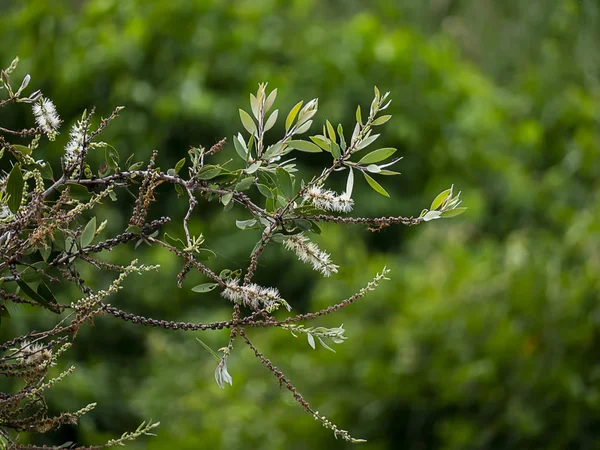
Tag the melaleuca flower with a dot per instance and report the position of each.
(328, 200)
(309, 252)
(46, 117)
(33, 353)
(75, 145)
(253, 295)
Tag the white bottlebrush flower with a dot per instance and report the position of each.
(46, 117)
(75, 145)
(309, 252)
(328, 200)
(253, 295)
(36, 353)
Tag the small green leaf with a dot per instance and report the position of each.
(205, 287)
(247, 121)
(253, 168)
(388, 172)
(270, 100)
(367, 141)
(437, 201)
(271, 120)
(179, 165)
(305, 146)
(377, 156)
(330, 131)
(240, 147)
(322, 142)
(21, 149)
(33, 295)
(14, 188)
(292, 115)
(175, 242)
(336, 151)
(453, 212)
(381, 120)
(243, 224)
(87, 236)
(244, 184)
(46, 170)
(111, 155)
(284, 182)
(264, 190)
(375, 185)
(208, 172)
(227, 198)
(358, 115)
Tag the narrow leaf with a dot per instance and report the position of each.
(305, 146)
(14, 188)
(377, 156)
(87, 236)
(292, 115)
(437, 201)
(375, 185)
(247, 121)
(205, 287)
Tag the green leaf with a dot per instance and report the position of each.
(87, 236)
(270, 100)
(36, 297)
(304, 225)
(14, 188)
(381, 120)
(304, 127)
(453, 212)
(271, 120)
(208, 172)
(227, 198)
(264, 190)
(244, 184)
(437, 202)
(305, 146)
(330, 131)
(367, 141)
(46, 171)
(175, 242)
(111, 155)
(179, 165)
(243, 224)
(377, 156)
(388, 172)
(240, 148)
(205, 287)
(247, 121)
(21, 149)
(375, 185)
(432, 215)
(292, 115)
(322, 142)
(284, 181)
(253, 168)
(358, 115)
(336, 151)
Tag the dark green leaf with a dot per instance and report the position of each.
(87, 236)
(244, 184)
(208, 172)
(14, 188)
(179, 165)
(284, 182)
(264, 190)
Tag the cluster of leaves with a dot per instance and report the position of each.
(45, 240)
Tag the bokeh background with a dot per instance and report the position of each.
(488, 334)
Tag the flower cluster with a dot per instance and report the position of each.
(328, 200)
(253, 295)
(76, 142)
(309, 252)
(46, 117)
(33, 352)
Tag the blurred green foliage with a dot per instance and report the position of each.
(486, 337)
